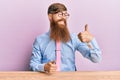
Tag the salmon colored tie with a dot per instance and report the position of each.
(58, 55)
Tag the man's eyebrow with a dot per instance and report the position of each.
(63, 12)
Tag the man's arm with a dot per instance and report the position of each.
(88, 46)
(35, 61)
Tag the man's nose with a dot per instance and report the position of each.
(64, 17)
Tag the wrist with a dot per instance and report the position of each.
(45, 67)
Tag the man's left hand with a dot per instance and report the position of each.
(85, 36)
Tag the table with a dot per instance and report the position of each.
(78, 75)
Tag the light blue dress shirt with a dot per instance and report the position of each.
(44, 51)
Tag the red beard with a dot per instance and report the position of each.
(59, 32)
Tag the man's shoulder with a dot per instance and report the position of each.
(43, 37)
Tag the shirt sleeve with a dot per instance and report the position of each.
(93, 54)
(35, 61)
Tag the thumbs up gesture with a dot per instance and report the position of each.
(85, 36)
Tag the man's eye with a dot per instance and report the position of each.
(60, 14)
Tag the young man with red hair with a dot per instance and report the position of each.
(44, 48)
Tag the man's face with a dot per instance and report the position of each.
(58, 26)
(60, 18)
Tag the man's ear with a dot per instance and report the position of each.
(50, 16)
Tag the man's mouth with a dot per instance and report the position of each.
(61, 22)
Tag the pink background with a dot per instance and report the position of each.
(22, 20)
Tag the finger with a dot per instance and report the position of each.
(82, 39)
(53, 68)
(53, 62)
(52, 71)
(79, 34)
(86, 27)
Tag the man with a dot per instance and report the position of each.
(44, 54)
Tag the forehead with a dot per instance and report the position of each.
(62, 12)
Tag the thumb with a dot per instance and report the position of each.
(86, 27)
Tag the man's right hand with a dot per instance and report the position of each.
(50, 67)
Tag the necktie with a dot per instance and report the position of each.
(58, 55)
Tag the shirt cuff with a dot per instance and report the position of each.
(94, 44)
(41, 67)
